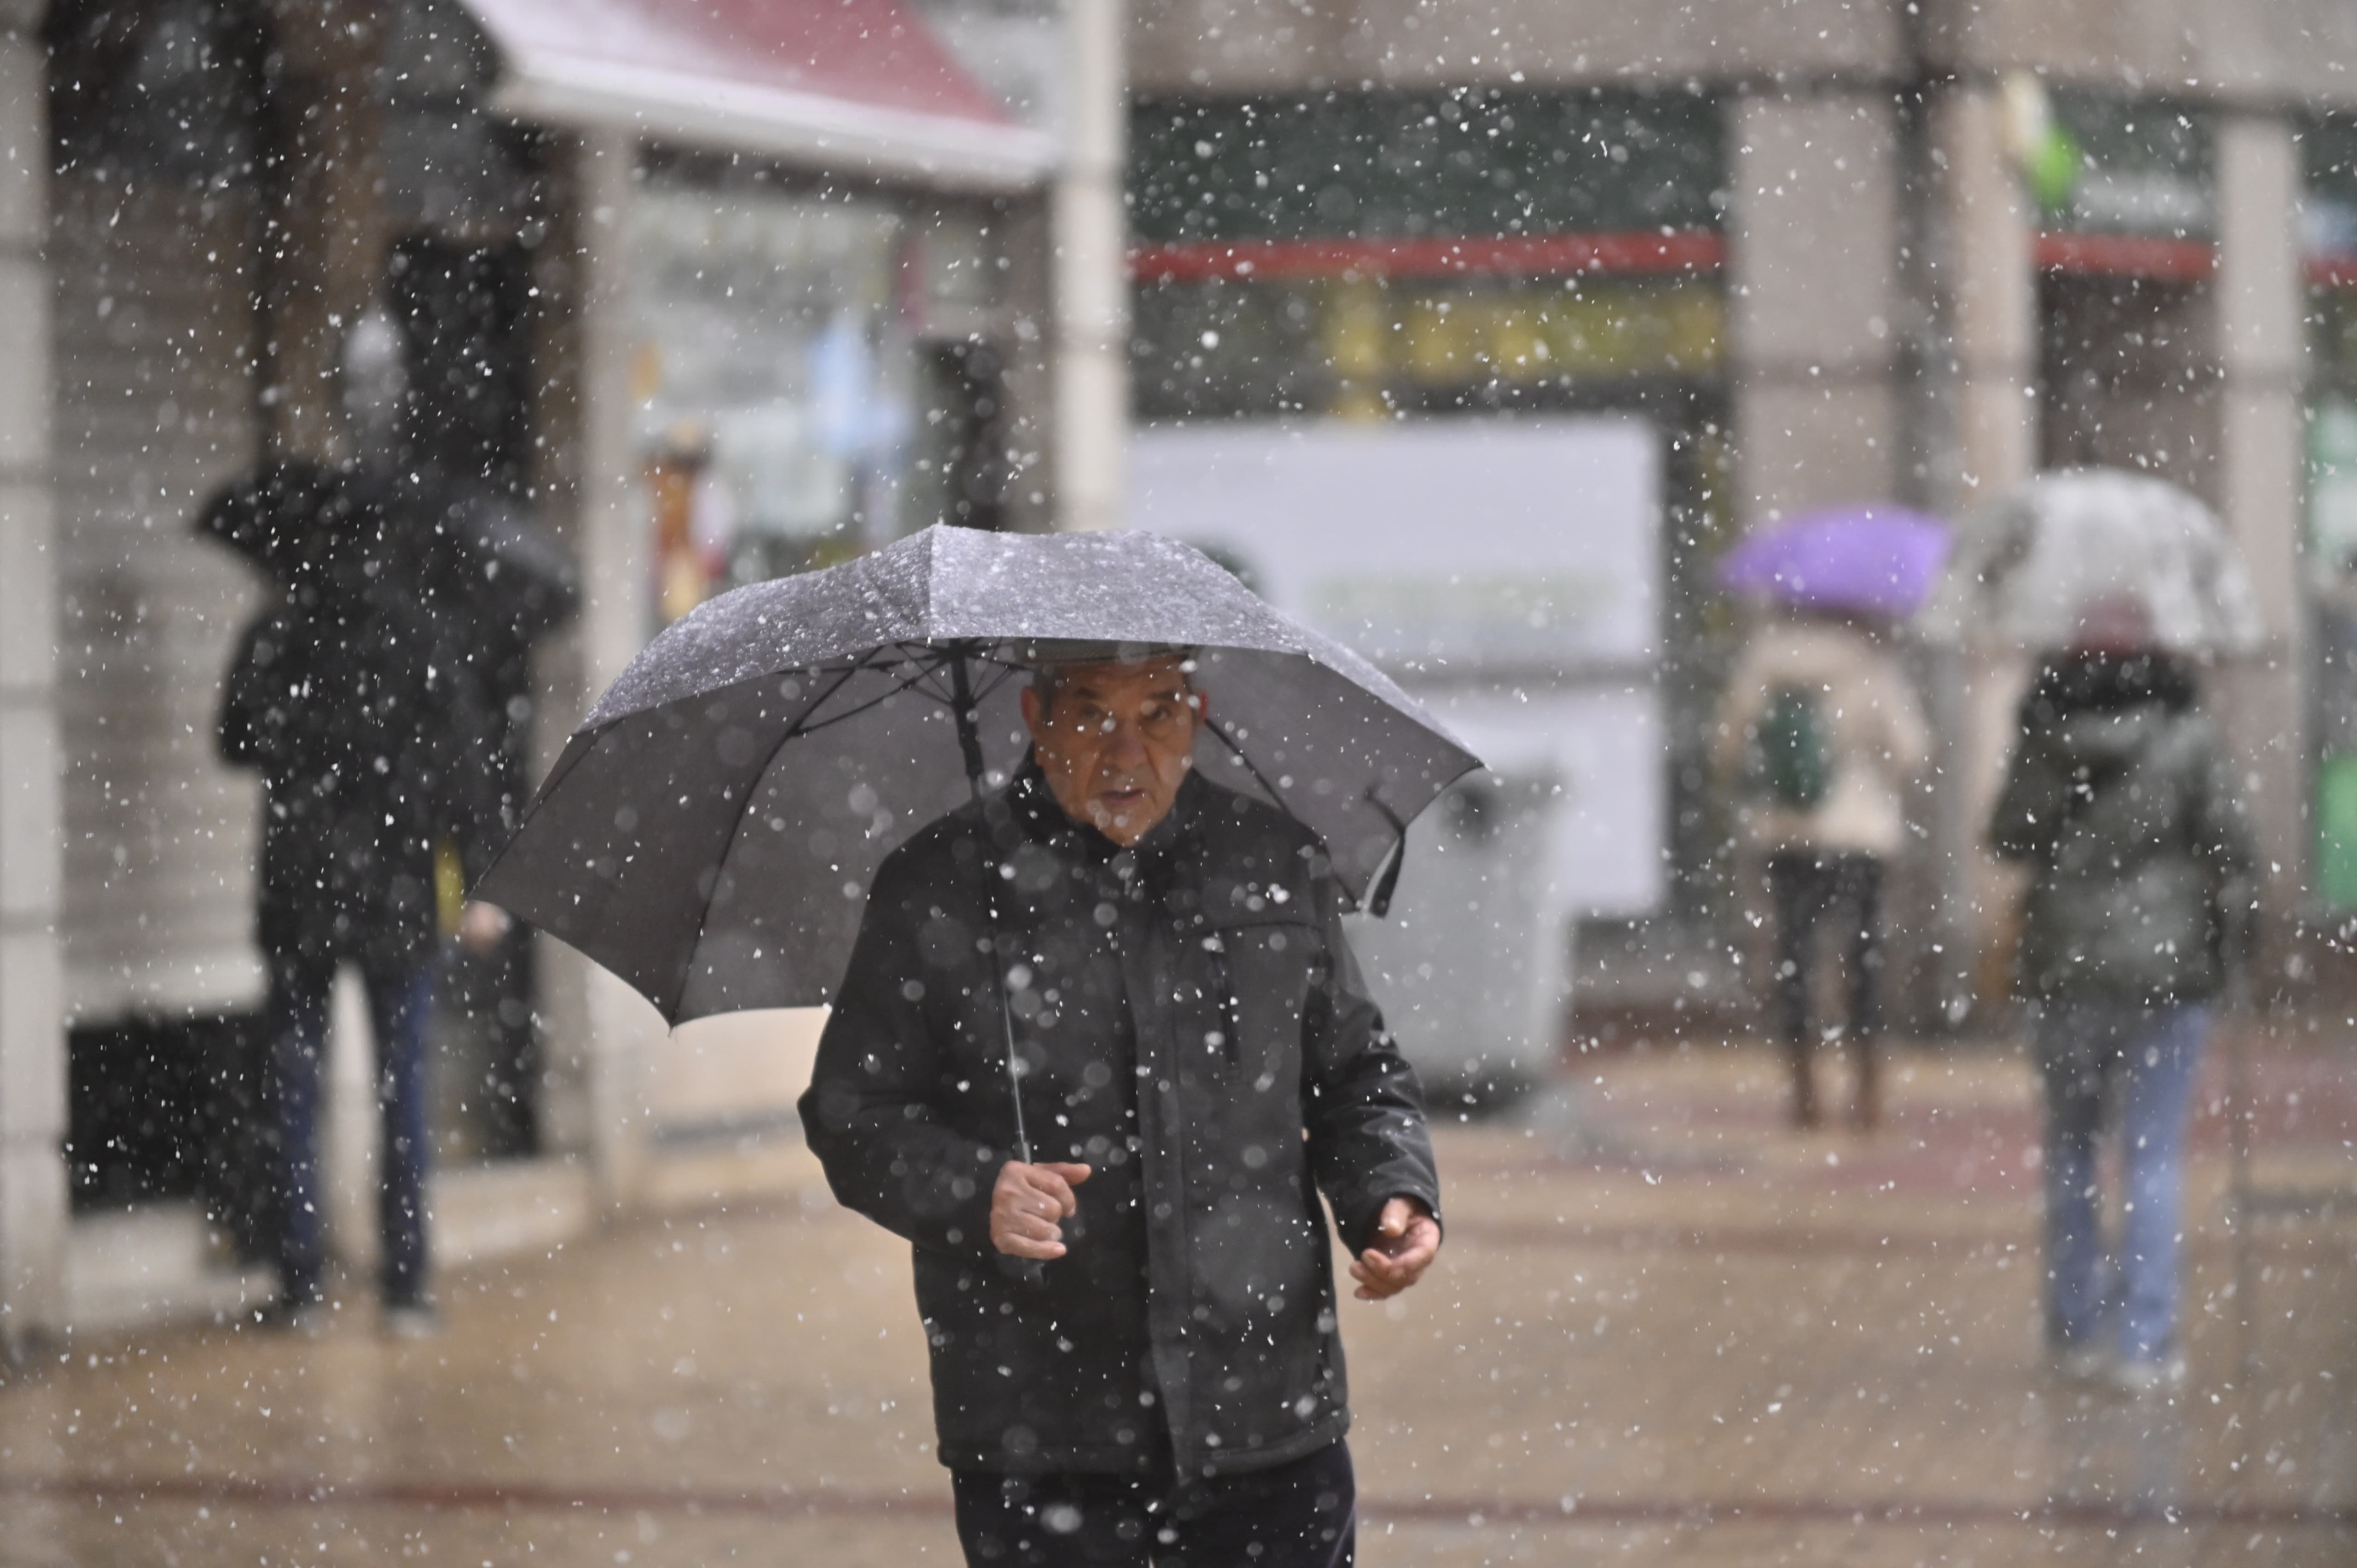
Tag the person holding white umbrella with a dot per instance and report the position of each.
(2120, 802)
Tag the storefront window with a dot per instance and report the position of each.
(1362, 348)
(2125, 191)
(773, 378)
(1364, 255)
(2125, 165)
(1388, 165)
(1368, 258)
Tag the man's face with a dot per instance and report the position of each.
(1115, 742)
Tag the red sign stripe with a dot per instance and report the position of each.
(2125, 257)
(2336, 269)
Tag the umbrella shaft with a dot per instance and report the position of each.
(970, 744)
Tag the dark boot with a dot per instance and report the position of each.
(1866, 1110)
(1804, 1085)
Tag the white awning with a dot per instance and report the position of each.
(853, 87)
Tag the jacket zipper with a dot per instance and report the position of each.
(1217, 946)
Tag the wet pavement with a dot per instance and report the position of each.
(1665, 1330)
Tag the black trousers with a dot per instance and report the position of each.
(1843, 891)
(1298, 1514)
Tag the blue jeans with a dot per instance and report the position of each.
(398, 1002)
(2093, 1055)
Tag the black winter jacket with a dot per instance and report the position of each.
(2120, 800)
(1193, 1027)
(343, 697)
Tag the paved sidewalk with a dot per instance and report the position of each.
(1684, 1337)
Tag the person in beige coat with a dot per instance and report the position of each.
(1821, 727)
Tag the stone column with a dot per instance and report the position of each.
(2261, 366)
(1989, 288)
(1024, 235)
(602, 1034)
(1091, 275)
(1991, 292)
(32, 1214)
(1813, 302)
(1814, 311)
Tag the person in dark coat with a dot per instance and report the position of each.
(349, 695)
(333, 698)
(1136, 1349)
(2120, 802)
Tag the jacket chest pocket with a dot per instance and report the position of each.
(1251, 985)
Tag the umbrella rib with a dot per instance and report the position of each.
(799, 727)
(1002, 670)
(704, 915)
(1379, 900)
(941, 658)
(1006, 672)
(1380, 903)
(913, 683)
(1229, 741)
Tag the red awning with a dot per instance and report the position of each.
(858, 86)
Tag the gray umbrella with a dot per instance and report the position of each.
(710, 832)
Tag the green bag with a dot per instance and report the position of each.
(1789, 762)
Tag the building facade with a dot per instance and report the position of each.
(1824, 252)
(1834, 254)
(714, 294)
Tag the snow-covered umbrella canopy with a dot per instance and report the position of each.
(709, 833)
(2075, 550)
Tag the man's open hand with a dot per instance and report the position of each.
(1406, 1239)
(1026, 1204)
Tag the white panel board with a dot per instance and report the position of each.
(1508, 571)
(1430, 547)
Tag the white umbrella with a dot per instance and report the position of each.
(2079, 549)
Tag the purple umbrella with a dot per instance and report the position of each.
(1874, 560)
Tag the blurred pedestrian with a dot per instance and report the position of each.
(332, 702)
(340, 696)
(2119, 801)
(1134, 1359)
(1821, 731)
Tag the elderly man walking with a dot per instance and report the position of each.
(1135, 1343)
